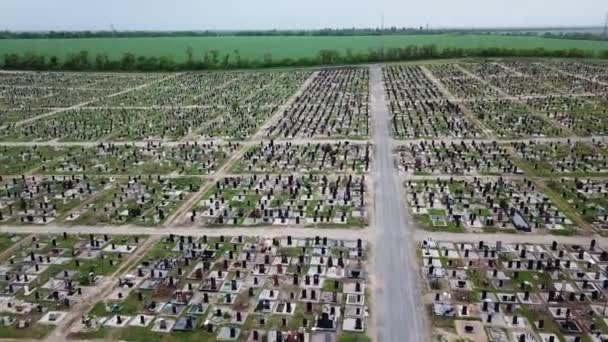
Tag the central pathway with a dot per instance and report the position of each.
(399, 311)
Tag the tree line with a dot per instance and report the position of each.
(209, 33)
(214, 60)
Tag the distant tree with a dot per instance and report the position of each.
(189, 55)
(128, 61)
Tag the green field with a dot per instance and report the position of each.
(279, 46)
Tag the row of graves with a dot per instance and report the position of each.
(405, 84)
(180, 90)
(152, 158)
(142, 200)
(19, 160)
(238, 289)
(484, 204)
(139, 200)
(461, 84)
(562, 157)
(48, 275)
(117, 159)
(516, 292)
(487, 70)
(27, 92)
(44, 199)
(413, 120)
(112, 124)
(531, 78)
(243, 116)
(455, 158)
(335, 104)
(278, 157)
(264, 200)
(582, 115)
(589, 70)
(189, 106)
(587, 197)
(214, 89)
(510, 119)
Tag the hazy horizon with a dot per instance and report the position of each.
(234, 15)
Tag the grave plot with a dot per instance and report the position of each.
(185, 89)
(584, 69)
(519, 86)
(74, 80)
(76, 125)
(145, 201)
(529, 68)
(442, 71)
(117, 124)
(244, 111)
(273, 157)
(236, 122)
(183, 159)
(469, 158)
(487, 70)
(238, 289)
(459, 84)
(588, 197)
(555, 158)
(13, 98)
(18, 160)
(254, 88)
(45, 97)
(409, 84)
(8, 116)
(468, 88)
(41, 200)
(583, 115)
(484, 205)
(569, 84)
(431, 120)
(510, 119)
(42, 281)
(335, 105)
(312, 200)
(516, 292)
(587, 70)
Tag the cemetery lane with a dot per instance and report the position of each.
(394, 268)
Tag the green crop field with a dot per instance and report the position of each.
(279, 47)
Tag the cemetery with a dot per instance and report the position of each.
(194, 204)
(50, 274)
(279, 157)
(237, 289)
(338, 201)
(515, 292)
(485, 205)
(333, 105)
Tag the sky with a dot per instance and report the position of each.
(31, 15)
